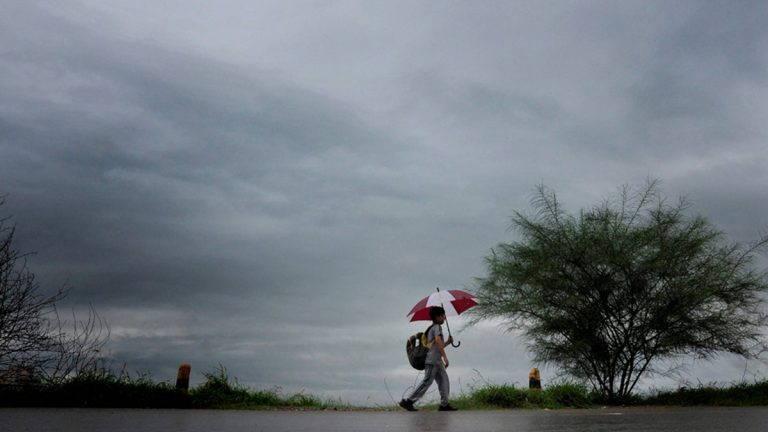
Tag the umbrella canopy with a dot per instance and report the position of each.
(455, 302)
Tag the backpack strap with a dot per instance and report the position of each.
(425, 337)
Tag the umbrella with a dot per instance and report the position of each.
(455, 302)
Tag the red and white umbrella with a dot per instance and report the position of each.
(455, 302)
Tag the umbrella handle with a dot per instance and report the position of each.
(453, 344)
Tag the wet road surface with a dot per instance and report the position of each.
(608, 420)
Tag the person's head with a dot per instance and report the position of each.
(437, 314)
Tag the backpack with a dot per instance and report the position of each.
(417, 353)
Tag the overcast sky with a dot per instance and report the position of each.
(271, 186)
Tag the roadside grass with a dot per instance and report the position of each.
(565, 394)
(569, 394)
(102, 388)
(738, 394)
(222, 392)
(98, 388)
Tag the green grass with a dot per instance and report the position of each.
(106, 389)
(102, 388)
(565, 394)
(96, 389)
(219, 391)
(739, 394)
(568, 394)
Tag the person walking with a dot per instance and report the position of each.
(435, 365)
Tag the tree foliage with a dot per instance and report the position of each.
(608, 293)
(35, 342)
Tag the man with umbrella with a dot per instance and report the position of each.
(435, 364)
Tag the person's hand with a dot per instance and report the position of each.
(445, 361)
(449, 341)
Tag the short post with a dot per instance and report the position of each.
(534, 379)
(182, 379)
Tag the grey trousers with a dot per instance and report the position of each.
(433, 372)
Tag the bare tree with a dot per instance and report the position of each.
(33, 337)
(77, 345)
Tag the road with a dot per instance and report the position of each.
(607, 420)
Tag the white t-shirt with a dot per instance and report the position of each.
(433, 356)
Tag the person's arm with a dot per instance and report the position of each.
(441, 349)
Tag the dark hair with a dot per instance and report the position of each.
(435, 312)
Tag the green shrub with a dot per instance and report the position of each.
(537, 398)
(218, 391)
(560, 395)
(264, 398)
(502, 396)
(567, 394)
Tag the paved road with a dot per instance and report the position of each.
(602, 420)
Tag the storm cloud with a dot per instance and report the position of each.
(271, 186)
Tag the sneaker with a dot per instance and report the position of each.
(407, 404)
(447, 408)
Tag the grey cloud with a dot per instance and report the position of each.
(732, 195)
(215, 197)
(722, 40)
(685, 99)
(165, 206)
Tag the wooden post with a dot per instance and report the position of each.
(182, 379)
(534, 379)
